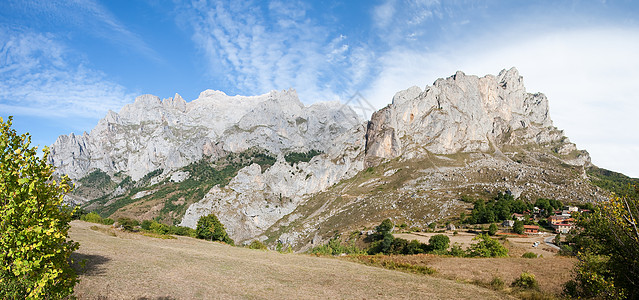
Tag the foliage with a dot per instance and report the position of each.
(526, 281)
(487, 247)
(548, 206)
(97, 179)
(500, 208)
(592, 279)
(385, 227)
(335, 247)
(492, 229)
(518, 227)
(439, 243)
(210, 228)
(295, 157)
(93, 217)
(608, 251)
(529, 255)
(128, 224)
(257, 245)
(617, 183)
(34, 222)
(456, 250)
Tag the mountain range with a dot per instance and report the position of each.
(278, 171)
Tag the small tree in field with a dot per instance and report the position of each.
(210, 228)
(34, 223)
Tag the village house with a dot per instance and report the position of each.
(561, 223)
(518, 217)
(531, 229)
(508, 223)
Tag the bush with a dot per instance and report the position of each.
(257, 245)
(34, 222)
(526, 281)
(492, 229)
(487, 247)
(128, 224)
(210, 228)
(439, 242)
(457, 251)
(529, 255)
(497, 283)
(92, 217)
(146, 224)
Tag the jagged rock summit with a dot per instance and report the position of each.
(153, 134)
(464, 114)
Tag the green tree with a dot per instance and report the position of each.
(439, 243)
(608, 251)
(492, 229)
(385, 227)
(34, 222)
(518, 227)
(210, 228)
(487, 247)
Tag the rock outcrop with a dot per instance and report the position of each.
(153, 134)
(463, 114)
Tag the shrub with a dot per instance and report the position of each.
(92, 217)
(439, 242)
(257, 245)
(128, 224)
(457, 251)
(492, 229)
(526, 281)
(529, 255)
(34, 222)
(487, 247)
(146, 224)
(497, 283)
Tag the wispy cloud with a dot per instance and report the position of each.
(88, 16)
(257, 48)
(41, 77)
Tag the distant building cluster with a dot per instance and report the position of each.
(561, 220)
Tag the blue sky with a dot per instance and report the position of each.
(63, 64)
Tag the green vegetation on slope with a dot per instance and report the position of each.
(175, 197)
(295, 157)
(617, 183)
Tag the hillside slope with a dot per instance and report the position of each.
(131, 266)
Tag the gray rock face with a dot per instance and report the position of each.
(168, 134)
(462, 114)
(253, 201)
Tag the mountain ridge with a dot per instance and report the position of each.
(464, 135)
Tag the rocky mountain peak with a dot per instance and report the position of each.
(152, 134)
(460, 113)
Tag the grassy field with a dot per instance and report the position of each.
(131, 266)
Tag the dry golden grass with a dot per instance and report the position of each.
(550, 273)
(133, 266)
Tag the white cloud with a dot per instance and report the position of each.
(85, 15)
(256, 49)
(589, 76)
(38, 77)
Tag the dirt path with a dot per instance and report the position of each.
(131, 266)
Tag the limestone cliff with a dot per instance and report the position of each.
(464, 114)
